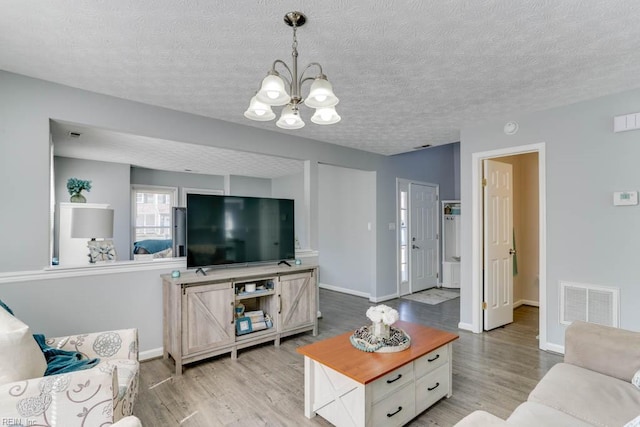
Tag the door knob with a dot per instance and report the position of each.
(415, 247)
(512, 251)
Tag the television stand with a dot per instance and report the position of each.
(284, 262)
(199, 312)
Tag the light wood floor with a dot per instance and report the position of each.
(494, 371)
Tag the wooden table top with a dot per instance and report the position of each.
(340, 355)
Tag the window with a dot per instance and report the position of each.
(152, 212)
(404, 249)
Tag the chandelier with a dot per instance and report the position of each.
(273, 91)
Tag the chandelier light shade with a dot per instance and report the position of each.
(277, 90)
(272, 92)
(325, 116)
(321, 94)
(290, 119)
(259, 111)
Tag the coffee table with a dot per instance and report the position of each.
(349, 387)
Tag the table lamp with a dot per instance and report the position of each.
(95, 223)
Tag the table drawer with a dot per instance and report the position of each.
(391, 382)
(432, 387)
(396, 409)
(431, 361)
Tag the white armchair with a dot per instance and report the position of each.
(98, 396)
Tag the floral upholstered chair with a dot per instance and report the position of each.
(98, 396)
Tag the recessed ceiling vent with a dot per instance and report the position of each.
(74, 134)
(420, 147)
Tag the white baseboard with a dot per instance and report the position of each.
(357, 293)
(384, 298)
(465, 326)
(343, 290)
(526, 302)
(556, 348)
(150, 354)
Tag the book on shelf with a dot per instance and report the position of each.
(255, 316)
(259, 320)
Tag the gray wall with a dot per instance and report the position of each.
(456, 171)
(27, 105)
(144, 176)
(249, 186)
(91, 303)
(347, 219)
(109, 184)
(588, 239)
(292, 187)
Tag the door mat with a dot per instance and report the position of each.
(433, 296)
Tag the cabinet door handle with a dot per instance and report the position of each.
(395, 412)
(279, 304)
(394, 380)
(434, 387)
(233, 314)
(434, 359)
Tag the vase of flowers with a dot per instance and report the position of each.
(75, 187)
(382, 317)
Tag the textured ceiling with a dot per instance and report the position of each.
(407, 73)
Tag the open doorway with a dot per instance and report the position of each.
(510, 234)
(530, 275)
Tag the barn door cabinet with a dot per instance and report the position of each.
(199, 311)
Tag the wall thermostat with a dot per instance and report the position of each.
(625, 198)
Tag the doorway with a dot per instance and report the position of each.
(417, 236)
(539, 235)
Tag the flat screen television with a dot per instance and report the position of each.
(228, 230)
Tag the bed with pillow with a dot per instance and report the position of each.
(152, 248)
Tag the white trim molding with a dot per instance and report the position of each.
(154, 353)
(344, 290)
(526, 302)
(466, 326)
(476, 234)
(50, 273)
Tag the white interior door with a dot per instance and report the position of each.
(498, 241)
(423, 246)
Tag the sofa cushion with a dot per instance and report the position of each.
(636, 379)
(532, 414)
(610, 351)
(20, 358)
(587, 395)
(481, 418)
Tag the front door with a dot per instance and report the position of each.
(424, 236)
(498, 244)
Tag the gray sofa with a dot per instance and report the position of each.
(591, 388)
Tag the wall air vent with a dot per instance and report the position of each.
(420, 147)
(74, 134)
(626, 122)
(589, 303)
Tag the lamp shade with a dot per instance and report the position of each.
(290, 119)
(92, 223)
(259, 111)
(325, 116)
(321, 94)
(273, 92)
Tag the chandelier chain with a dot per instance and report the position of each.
(294, 45)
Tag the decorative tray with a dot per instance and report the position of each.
(364, 340)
